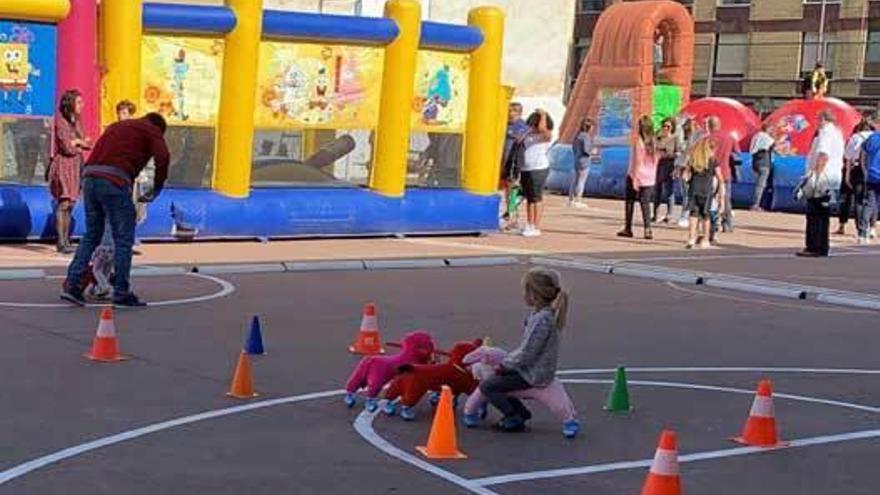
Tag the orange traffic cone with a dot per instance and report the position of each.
(663, 478)
(760, 429)
(242, 381)
(368, 340)
(441, 442)
(105, 346)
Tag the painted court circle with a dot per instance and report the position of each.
(363, 425)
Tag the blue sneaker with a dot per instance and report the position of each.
(471, 420)
(407, 413)
(389, 408)
(350, 399)
(571, 428)
(372, 405)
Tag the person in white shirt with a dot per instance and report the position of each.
(852, 187)
(536, 168)
(824, 170)
(761, 149)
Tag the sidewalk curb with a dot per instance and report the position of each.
(316, 266)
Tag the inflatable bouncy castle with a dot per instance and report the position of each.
(640, 63)
(281, 123)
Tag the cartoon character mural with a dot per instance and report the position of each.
(440, 98)
(318, 86)
(438, 95)
(17, 72)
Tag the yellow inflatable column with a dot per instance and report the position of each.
(35, 10)
(480, 170)
(238, 97)
(121, 32)
(388, 176)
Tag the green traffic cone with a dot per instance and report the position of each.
(618, 398)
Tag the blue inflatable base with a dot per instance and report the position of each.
(607, 178)
(26, 213)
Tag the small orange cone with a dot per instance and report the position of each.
(663, 478)
(242, 381)
(368, 340)
(441, 442)
(105, 346)
(760, 429)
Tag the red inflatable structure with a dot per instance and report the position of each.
(737, 119)
(794, 124)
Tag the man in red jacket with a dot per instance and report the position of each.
(117, 158)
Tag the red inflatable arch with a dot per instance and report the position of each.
(622, 56)
(737, 119)
(793, 125)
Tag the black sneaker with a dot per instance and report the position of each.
(73, 296)
(128, 301)
(625, 233)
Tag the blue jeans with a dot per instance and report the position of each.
(868, 212)
(105, 201)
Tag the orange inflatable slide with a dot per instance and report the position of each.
(640, 63)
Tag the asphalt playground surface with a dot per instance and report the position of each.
(299, 438)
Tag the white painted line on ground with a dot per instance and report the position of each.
(226, 288)
(41, 462)
(722, 369)
(699, 456)
(714, 388)
(364, 426)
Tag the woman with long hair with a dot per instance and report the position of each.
(64, 171)
(536, 168)
(641, 178)
(705, 182)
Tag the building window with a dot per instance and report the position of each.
(872, 53)
(581, 49)
(731, 54)
(585, 6)
(734, 3)
(812, 51)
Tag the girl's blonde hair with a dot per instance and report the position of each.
(701, 155)
(543, 288)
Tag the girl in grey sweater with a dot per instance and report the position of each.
(533, 362)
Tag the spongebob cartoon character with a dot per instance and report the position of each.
(320, 108)
(179, 71)
(14, 70)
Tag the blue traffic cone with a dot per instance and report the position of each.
(254, 343)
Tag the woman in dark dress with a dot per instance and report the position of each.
(64, 172)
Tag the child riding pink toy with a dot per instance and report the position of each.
(483, 363)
